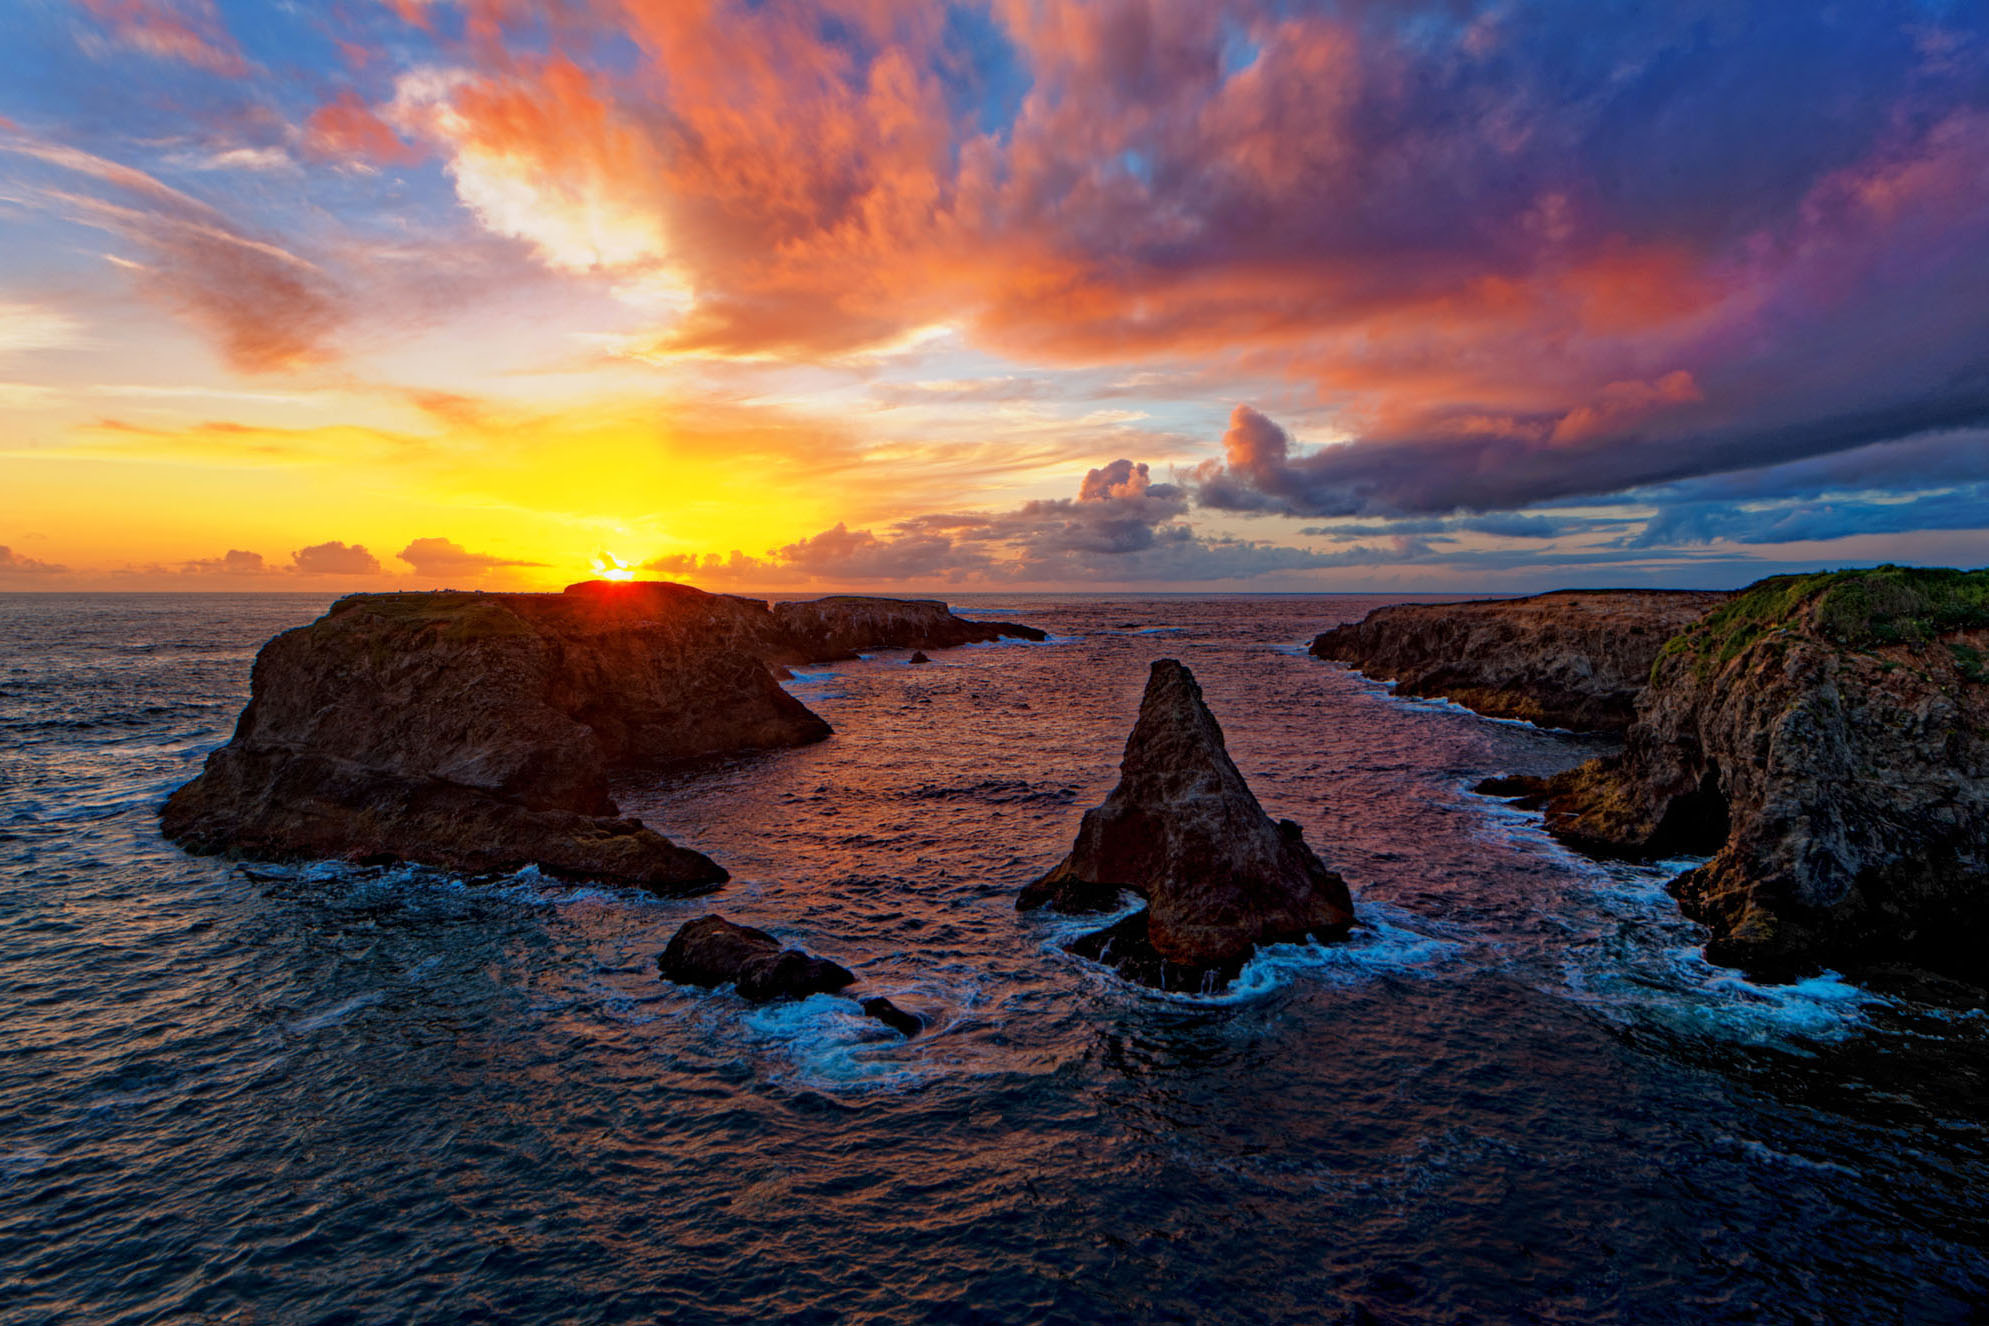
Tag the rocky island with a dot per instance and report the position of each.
(1825, 739)
(1183, 831)
(477, 732)
(1576, 658)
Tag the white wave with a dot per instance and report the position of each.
(1387, 942)
(336, 1014)
(1768, 1155)
(831, 1044)
(1677, 989)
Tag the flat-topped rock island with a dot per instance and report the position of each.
(477, 732)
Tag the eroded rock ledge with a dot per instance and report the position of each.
(477, 731)
(1826, 739)
(1575, 658)
(1183, 831)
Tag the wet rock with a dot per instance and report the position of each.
(712, 951)
(477, 732)
(918, 656)
(1571, 659)
(1826, 740)
(1183, 831)
(791, 974)
(906, 1024)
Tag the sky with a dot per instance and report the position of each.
(1170, 295)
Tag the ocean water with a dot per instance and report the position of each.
(332, 1094)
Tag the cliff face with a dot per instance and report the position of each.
(1572, 659)
(1827, 738)
(478, 731)
(1183, 831)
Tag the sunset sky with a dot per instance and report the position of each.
(1152, 294)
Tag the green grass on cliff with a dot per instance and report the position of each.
(1862, 609)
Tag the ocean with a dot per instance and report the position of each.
(325, 1093)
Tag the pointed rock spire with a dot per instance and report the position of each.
(1183, 831)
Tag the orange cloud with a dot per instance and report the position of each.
(347, 129)
(1623, 403)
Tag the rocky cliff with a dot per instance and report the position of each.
(1572, 659)
(1183, 831)
(1826, 739)
(478, 731)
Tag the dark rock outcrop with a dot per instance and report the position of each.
(712, 951)
(1183, 831)
(918, 656)
(1826, 739)
(842, 626)
(1575, 658)
(478, 731)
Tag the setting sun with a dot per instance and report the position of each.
(610, 567)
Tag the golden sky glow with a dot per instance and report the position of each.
(988, 294)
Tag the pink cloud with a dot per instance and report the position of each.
(190, 31)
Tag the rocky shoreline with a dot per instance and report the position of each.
(477, 732)
(1575, 658)
(1824, 740)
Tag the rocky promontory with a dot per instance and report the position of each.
(1183, 831)
(1825, 739)
(478, 731)
(1574, 659)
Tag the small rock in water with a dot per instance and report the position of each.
(713, 951)
(908, 1024)
(918, 656)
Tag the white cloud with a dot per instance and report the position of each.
(25, 327)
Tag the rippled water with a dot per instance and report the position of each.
(333, 1094)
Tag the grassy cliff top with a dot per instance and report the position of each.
(1861, 609)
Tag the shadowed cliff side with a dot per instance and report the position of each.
(1826, 738)
(478, 731)
(1576, 658)
(1183, 831)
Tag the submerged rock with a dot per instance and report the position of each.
(1183, 831)
(712, 951)
(1576, 658)
(897, 1019)
(1825, 739)
(478, 732)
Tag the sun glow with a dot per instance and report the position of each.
(610, 567)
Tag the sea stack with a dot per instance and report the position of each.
(1183, 831)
